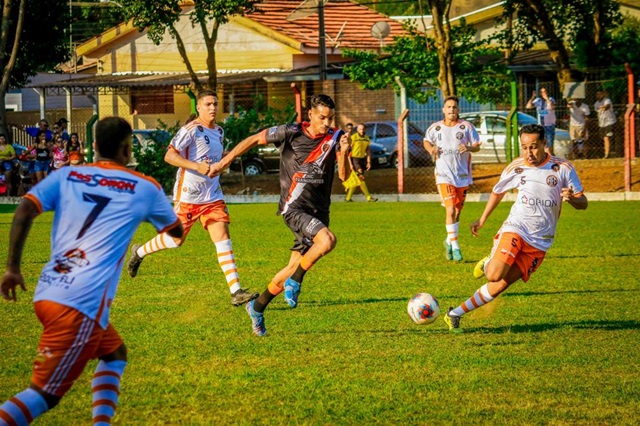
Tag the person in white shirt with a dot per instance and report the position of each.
(543, 182)
(198, 197)
(450, 143)
(606, 119)
(97, 208)
(545, 105)
(578, 119)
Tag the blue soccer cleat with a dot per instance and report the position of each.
(291, 292)
(456, 255)
(448, 251)
(257, 320)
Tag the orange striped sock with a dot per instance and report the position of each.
(157, 243)
(105, 389)
(480, 297)
(452, 235)
(227, 262)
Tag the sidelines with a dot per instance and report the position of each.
(397, 198)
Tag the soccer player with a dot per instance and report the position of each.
(450, 142)
(308, 154)
(543, 182)
(197, 145)
(97, 208)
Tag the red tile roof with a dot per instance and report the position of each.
(355, 35)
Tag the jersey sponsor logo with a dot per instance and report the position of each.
(272, 130)
(312, 224)
(200, 128)
(113, 184)
(462, 127)
(555, 167)
(69, 260)
(552, 180)
(538, 202)
(459, 136)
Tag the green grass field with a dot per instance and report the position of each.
(561, 349)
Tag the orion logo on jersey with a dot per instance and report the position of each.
(531, 201)
(113, 184)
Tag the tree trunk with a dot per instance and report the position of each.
(442, 28)
(210, 43)
(183, 53)
(8, 62)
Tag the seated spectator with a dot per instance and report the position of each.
(75, 149)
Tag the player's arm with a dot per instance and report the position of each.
(577, 201)
(530, 104)
(22, 220)
(244, 146)
(345, 167)
(174, 158)
(368, 157)
(494, 200)
(432, 149)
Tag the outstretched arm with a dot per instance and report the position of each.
(236, 152)
(22, 221)
(494, 200)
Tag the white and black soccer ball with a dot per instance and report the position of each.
(423, 308)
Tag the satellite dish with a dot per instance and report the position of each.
(306, 8)
(380, 30)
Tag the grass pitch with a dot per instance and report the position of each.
(561, 349)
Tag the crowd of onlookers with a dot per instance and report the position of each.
(50, 149)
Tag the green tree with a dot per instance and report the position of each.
(478, 67)
(159, 16)
(34, 37)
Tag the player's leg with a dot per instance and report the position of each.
(105, 385)
(350, 192)
(188, 214)
(256, 307)
(447, 197)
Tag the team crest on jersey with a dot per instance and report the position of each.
(200, 128)
(118, 184)
(326, 146)
(555, 167)
(438, 128)
(71, 259)
(462, 127)
(519, 170)
(459, 136)
(552, 180)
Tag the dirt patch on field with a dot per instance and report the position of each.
(596, 176)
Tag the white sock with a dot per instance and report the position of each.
(452, 235)
(480, 297)
(157, 243)
(227, 262)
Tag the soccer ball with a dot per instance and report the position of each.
(423, 308)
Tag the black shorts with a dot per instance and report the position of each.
(305, 227)
(359, 163)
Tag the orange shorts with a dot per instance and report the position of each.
(69, 340)
(212, 212)
(452, 195)
(510, 248)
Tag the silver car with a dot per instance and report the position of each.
(492, 129)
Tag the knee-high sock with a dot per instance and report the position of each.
(480, 297)
(365, 190)
(350, 192)
(227, 262)
(452, 235)
(22, 408)
(157, 243)
(105, 389)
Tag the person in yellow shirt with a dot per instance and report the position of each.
(361, 161)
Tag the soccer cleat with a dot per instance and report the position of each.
(456, 255)
(257, 320)
(372, 200)
(452, 321)
(478, 271)
(448, 253)
(291, 292)
(134, 261)
(242, 296)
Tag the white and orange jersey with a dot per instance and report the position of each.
(453, 167)
(535, 213)
(197, 142)
(98, 207)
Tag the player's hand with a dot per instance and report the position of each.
(10, 281)
(534, 94)
(368, 165)
(567, 194)
(203, 168)
(344, 142)
(475, 227)
(215, 169)
(435, 152)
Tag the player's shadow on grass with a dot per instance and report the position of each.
(581, 325)
(342, 302)
(548, 293)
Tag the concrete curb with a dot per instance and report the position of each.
(397, 198)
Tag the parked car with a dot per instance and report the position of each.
(492, 129)
(145, 137)
(386, 134)
(266, 159)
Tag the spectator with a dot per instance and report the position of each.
(42, 157)
(348, 129)
(75, 150)
(578, 119)
(546, 108)
(7, 155)
(62, 124)
(60, 155)
(360, 160)
(606, 119)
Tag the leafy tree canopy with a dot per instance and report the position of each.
(478, 67)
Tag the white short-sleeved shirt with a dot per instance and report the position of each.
(453, 167)
(98, 208)
(578, 114)
(546, 112)
(535, 213)
(605, 117)
(197, 142)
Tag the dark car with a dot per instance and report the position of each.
(386, 134)
(145, 137)
(266, 159)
